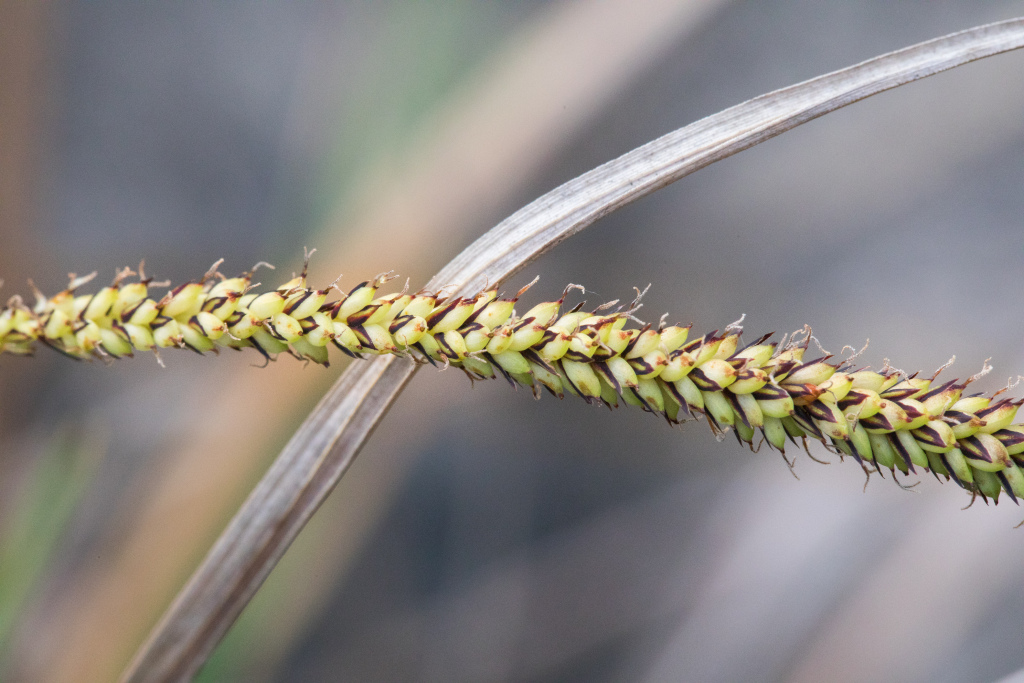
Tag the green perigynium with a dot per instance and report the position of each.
(883, 419)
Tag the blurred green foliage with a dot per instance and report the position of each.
(45, 505)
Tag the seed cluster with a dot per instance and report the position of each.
(883, 419)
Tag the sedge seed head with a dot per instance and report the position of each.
(885, 419)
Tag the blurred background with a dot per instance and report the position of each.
(482, 535)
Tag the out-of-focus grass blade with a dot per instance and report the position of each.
(40, 517)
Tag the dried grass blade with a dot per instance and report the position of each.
(325, 445)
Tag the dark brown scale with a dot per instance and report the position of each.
(635, 339)
(644, 368)
(502, 371)
(419, 347)
(972, 447)
(595, 326)
(782, 370)
(912, 412)
(904, 454)
(445, 346)
(805, 423)
(357, 287)
(807, 364)
(399, 322)
(819, 412)
(525, 322)
(167, 297)
(994, 407)
(210, 305)
(745, 374)
(734, 401)
(81, 316)
(692, 346)
(263, 352)
(577, 356)
(121, 332)
(1009, 438)
(292, 307)
(936, 391)
(549, 336)
(472, 327)
(476, 314)
(127, 314)
(534, 357)
(269, 327)
(956, 417)
(952, 472)
(852, 400)
(334, 308)
(702, 381)
(930, 435)
(362, 315)
(606, 374)
(57, 346)
(1006, 486)
(896, 392)
(192, 348)
(364, 338)
(644, 405)
(803, 392)
(770, 392)
(855, 452)
(347, 351)
(439, 313)
(575, 389)
(760, 340)
(671, 388)
(877, 421)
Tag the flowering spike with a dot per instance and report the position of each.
(884, 419)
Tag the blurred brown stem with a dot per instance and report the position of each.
(25, 82)
(324, 446)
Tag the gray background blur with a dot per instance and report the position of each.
(483, 536)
